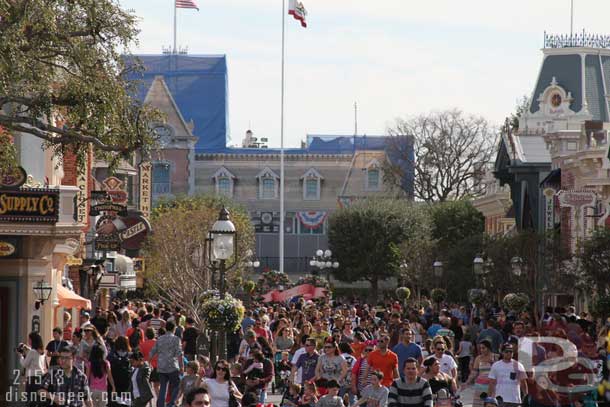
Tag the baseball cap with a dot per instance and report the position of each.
(507, 347)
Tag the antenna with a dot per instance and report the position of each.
(355, 118)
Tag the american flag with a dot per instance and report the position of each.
(186, 4)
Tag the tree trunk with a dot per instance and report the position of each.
(374, 289)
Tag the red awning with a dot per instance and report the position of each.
(69, 299)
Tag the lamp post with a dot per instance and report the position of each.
(437, 267)
(42, 291)
(252, 262)
(323, 260)
(517, 266)
(221, 247)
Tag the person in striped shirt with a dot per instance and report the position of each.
(412, 390)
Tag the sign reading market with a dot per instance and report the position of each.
(32, 205)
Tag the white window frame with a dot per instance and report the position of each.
(223, 173)
(312, 174)
(265, 174)
(373, 165)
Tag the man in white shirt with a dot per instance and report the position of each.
(448, 364)
(508, 378)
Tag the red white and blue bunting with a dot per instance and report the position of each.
(311, 219)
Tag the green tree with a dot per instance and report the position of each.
(366, 238)
(63, 77)
(457, 229)
(594, 258)
(176, 264)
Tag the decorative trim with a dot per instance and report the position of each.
(312, 219)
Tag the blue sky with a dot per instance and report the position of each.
(396, 58)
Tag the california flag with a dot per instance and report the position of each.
(297, 10)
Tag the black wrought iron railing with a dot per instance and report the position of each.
(576, 40)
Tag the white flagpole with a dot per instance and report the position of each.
(175, 50)
(282, 142)
(571, 17)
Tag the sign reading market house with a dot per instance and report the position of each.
(32, 205)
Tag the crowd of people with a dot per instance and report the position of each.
(322, 354)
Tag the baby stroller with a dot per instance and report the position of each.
(282, 374)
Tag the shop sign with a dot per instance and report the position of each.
(576, 199)
(108, 207)
(114, 188)
(134, 235)
(32, 205)
(81, 198)
(549, 208)
(73, 261)
(6, 249)
(145, 187)
(109, 280)
(13, 178)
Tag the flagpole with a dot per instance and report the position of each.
(571, 17)
(175, 50)
(282, 141)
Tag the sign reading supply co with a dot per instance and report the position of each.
(32, 205)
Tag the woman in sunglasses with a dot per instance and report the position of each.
(331, 366)
(220, 387)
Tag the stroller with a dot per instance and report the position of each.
(282, 370)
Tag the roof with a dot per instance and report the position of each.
(531, 149)
(588, 86)
(316, 144)
(199, 86)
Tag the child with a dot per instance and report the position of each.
(255, 370)
(205, 367)
(331, 399)
(237, 378)
(292, 398)
(283, 370)
(310, 395)
(190, 380)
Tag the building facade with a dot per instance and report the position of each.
(496, 206)
(328, 173)
(563, 135)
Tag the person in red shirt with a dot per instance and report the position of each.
(383, 360)
(145, 348)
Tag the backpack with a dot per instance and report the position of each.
(134, 339)
(121, 370)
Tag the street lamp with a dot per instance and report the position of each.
(438, 268)
(42, 291)
(252, 261)
(323, 260)
(221, 246)
(478, 265)
(516, 265)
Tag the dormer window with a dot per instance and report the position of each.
(373, 176)
(224, 181)
(268, 183)
(312, 181)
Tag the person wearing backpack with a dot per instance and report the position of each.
(120, 368)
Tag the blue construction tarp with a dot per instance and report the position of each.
(199, 86)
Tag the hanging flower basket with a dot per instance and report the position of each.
(403, 293)
(477, 296)
(272, 280)
(316, 281)
(438, 295)
(222, 314)
(516, 301)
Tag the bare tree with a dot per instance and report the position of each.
(450, 155)
(177, 269)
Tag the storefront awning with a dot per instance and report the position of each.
(69, 299)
